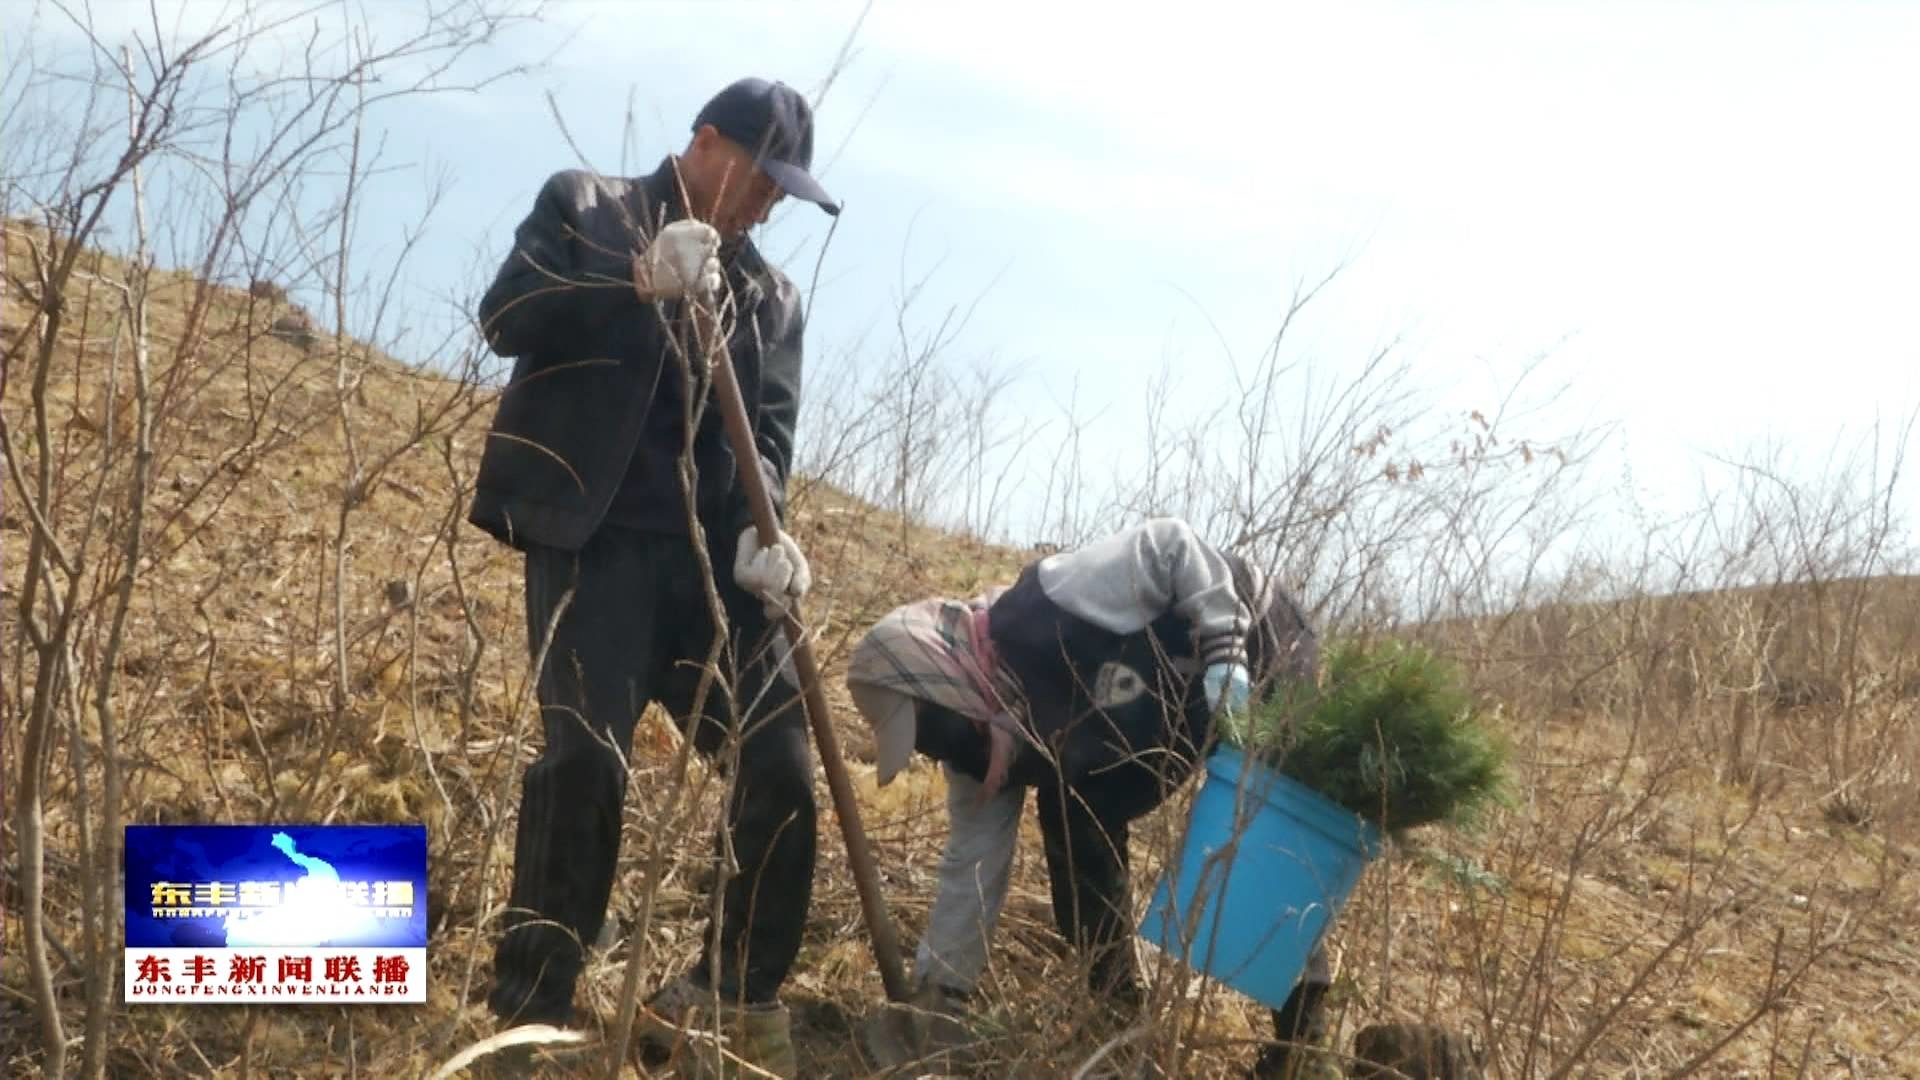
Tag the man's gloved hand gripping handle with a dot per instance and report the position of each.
(778, 573)
(682, 260)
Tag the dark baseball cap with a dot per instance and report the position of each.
(775, 124)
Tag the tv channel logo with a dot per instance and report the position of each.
(285, 914)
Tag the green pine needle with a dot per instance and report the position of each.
(1392, 736)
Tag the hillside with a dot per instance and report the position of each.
(1650, 905)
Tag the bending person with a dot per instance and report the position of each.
(1094, 680)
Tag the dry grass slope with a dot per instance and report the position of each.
(1641, 908)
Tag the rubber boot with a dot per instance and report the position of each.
(1416, 1051)
(1300, 1026)
(680, 1020)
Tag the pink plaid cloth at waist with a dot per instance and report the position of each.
(939, 651)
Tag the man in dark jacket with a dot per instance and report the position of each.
(1095, 680)
(605, 461)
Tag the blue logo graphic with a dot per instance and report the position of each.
(234, 886)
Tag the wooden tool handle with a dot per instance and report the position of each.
(733, 411)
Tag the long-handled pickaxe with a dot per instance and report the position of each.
(746, 455)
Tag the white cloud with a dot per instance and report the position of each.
(1711, 202)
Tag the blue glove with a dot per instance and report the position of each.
(1228, 687)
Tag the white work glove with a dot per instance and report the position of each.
(1228, 688)
(778, 575)
(682, 260)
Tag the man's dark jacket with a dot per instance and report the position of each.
(591, 427)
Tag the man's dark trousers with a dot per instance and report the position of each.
(637, 629)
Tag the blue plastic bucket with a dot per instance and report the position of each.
(1265, 866)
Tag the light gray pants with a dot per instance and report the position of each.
(974, 876)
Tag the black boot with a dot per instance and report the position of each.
(1420, 1051)
(1298, 1026)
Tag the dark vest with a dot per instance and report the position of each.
(1126, 709)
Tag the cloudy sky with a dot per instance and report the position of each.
(1703, 215)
